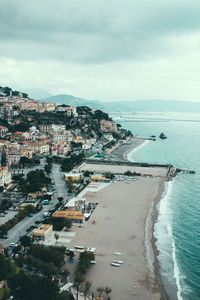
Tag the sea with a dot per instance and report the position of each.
(178, 225)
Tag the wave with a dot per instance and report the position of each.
(130, 154)
(177, 273)
(165, 240)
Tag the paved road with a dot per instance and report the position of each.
(60, 184)
(61, 190)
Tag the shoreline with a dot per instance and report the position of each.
(124, 223)
(150, 223)
(132, 145)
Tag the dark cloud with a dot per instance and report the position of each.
(93, 31)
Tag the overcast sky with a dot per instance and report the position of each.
(102, 49)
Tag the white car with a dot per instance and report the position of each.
(79, 247)
(12, 245)
(93, 262)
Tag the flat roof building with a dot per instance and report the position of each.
(43, 232)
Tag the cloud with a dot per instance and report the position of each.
(93, 31)
(102, 49)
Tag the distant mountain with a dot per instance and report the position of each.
(37, 93)
(74, 101)
(128, 106)
(164, 106)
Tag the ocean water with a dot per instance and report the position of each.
(178, 226)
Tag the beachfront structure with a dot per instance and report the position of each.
(98, 178)
(75, 215)
(75, 203)
(73, 176)
(43, 232)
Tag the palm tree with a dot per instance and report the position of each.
(107, 291)
(77, 281)
(56, 237)
(87, 288)
(100, 290)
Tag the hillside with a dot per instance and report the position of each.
(129, 106)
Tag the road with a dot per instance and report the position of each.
(60, 184)
(61, 190)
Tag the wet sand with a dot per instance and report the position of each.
(122, 151)
(119, 225)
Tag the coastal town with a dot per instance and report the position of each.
(67, 211)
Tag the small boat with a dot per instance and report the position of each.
(117, 253)
(118, 262)
(115, 264)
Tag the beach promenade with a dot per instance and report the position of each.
(119, 225)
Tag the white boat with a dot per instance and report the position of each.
(115, 264)
(117, 253)
(118, 262)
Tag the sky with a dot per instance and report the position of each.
(102, 49)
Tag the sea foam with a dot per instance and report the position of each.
(130, 154)
(165, 240)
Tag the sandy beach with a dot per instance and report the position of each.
(119, 225)
(122, 151)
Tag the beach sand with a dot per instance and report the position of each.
(122, 151)
(119, 225)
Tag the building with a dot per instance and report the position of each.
(75, 203)
(49, 128)
(73, 176)
(13, 157)
(3, 131)
(39, 148)
(98, 178)
(27, 152)
(58, 137)
(43, 232)
(29, 105)
(75, 215)
(5, 176)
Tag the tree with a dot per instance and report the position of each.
(107, 291)
(25, 241)
(56, 237)
(60, 199)
(3, 158)
(24, 161)
(70, 184)
(31, 287)
(78, 279)
(100, 291)
(128, 173)
(87, 288)
(60, 223)
(34, 182)
(7, 268)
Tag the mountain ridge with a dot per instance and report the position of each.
(127, 105)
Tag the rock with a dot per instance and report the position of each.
(162, 136)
